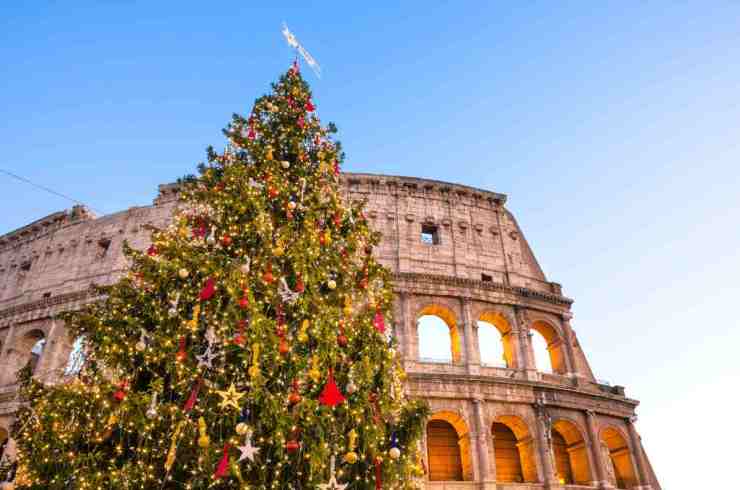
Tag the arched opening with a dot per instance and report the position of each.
(513, 450)
(616, 456)
(570, 453)
(494, 340)
(448, 448)
(76, 358)
(3, 443)
(445, 461)
(548, 348)
(439, 339)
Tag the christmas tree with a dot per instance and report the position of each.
(249, 346)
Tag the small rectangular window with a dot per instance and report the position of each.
(26, 266)
(486, 278)
(429, 234)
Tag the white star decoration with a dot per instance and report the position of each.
(206, 359)
(247, 450)
(332, 484)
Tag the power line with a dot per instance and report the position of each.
(50, 191)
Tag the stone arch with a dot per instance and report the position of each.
(448, 447)
(513, 449)
(617, 458)
(27, 348)
(555, 346)
(570, 453)
(503, 326)
(449, 318)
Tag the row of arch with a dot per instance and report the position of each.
(512, 452)
(439, 340)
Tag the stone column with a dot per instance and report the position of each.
(543, 446)
(525, 344)
(405, 327)
(568, 340)
(5, 372)
(594, 444)
(470, 331)
(642, 476)
(482, 447)
(51, 361)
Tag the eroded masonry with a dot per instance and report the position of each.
(458, 256)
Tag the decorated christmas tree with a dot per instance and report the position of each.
(248, 347)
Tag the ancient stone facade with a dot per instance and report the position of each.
(457, 253)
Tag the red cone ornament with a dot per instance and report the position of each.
(331, 396)
(193, 397)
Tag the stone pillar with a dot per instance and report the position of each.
(482, 447)
(594, 444)
(470, 331)
(568, 340)
(49, 367)
(525, 344)
(5, 362)
(543, 447)
(407, 328)
(642, 476)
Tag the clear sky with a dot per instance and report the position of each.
(612, 127)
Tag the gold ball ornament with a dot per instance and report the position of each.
(140, 346)
(332, 284)
(285, 164)
(242, 428)
(292, 205)
(351, 457)
(394, 453)
(183, 273)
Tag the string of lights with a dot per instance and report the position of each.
(47, 189)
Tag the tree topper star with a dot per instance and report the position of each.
(230, 397)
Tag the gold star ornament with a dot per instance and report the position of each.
(230, 398)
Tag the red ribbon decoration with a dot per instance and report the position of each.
(193, 396)
(223, 465)
(378, 475)
(379, 322)
(208, 289)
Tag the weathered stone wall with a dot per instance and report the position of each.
(480, 267)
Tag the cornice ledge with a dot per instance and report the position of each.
(47, 302)
(484, 285)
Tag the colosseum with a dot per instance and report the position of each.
(458, 257)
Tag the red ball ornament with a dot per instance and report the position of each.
(283, 348)
(342, 340)
(267, 275)
(299, 286)
(310, 107)
(226, 240)
(292, 446)
(244, 301)
(272, 192)
(152, 250)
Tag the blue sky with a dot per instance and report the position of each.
(612, 127)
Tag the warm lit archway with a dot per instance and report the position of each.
(494, 340)
(439, 339)
(513, 449)
(617, 458)
(570, 453)
(547, 346)
(448, 448)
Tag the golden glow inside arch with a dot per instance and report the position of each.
(514, 458)
(570, 452)
(620, 465)
(448, 317)
(442, 455)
